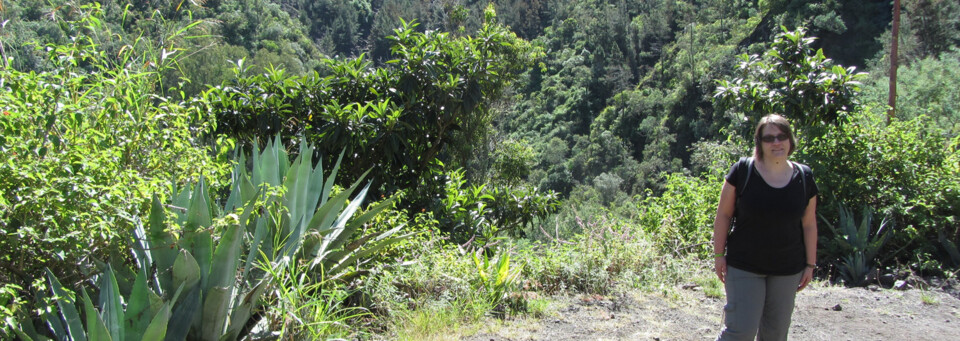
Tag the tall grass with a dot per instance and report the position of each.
(303, 307)
(438, 296)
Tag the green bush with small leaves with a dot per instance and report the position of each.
(902, 170)
(680, 221)
(84, 146)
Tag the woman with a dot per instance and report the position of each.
(765, 235)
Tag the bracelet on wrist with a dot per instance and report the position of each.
(812, 266)
(718, 255)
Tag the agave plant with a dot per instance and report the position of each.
(198, 276)
(858, 244)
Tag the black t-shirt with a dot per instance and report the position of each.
(767, 236)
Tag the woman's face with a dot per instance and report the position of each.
(775, 143)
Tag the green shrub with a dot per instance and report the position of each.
(483, 215)
(793, 79)
(497, 280)
(431, 102)
(924, 87)
(902, 170)
(680, 220)
(201, 273)
(609, 250)
(86, 144)
(435, 272)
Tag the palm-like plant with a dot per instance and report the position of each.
(202, 280)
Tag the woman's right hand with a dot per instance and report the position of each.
(720, 266)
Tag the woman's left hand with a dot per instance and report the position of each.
(806, 278)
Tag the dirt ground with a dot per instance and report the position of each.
(822, 313)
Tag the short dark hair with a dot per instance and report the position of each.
(779, 121)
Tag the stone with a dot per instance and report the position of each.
(887, 280)
(901, 285)
(837, 308)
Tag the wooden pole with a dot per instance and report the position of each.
(3, 54)
(892, 99)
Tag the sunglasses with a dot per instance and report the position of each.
(771, 138)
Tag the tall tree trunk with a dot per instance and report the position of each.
(892, 99)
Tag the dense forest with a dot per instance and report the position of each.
(204, 169)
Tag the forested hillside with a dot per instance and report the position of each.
(210, 167)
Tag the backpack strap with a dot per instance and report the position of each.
(803, 178)
(743, 177)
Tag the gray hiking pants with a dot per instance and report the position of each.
(758, 306)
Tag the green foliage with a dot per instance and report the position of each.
(430, 103)
(497, 279)
(144, 318)
(482, 215)
(791, 79)
(927, 30)
(856, 246)
(212, 258)
(680, 220)
(511, 162)
(203, 35)
(10, 307)
(924, 87)
(303, 307)
(902, 170)
(625, 89)
(87, 142)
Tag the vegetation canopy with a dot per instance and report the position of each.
(294, 169)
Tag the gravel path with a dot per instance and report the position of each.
(822, 313)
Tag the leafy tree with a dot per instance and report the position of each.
(926, 87)
(792, 79)
(933, 24)
(431, 103)
(926, 31)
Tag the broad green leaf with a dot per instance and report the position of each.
(341, 233)
(198, 213)
(270, 164)
(260, 245)
(200, 245)
(96, 328)
(141, 249)
(503, 268)
(139, 313)
(74, 326)
(372, 213)
(185, 312)
(52, 319)
(328, 186)
(162, 247)
(223, 270)
(186, 271)
(323, 219)
(111, 305)
(157, 329)
(379, 243)
(243, 310)
(216, 307)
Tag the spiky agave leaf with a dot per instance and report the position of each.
(74, 327)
